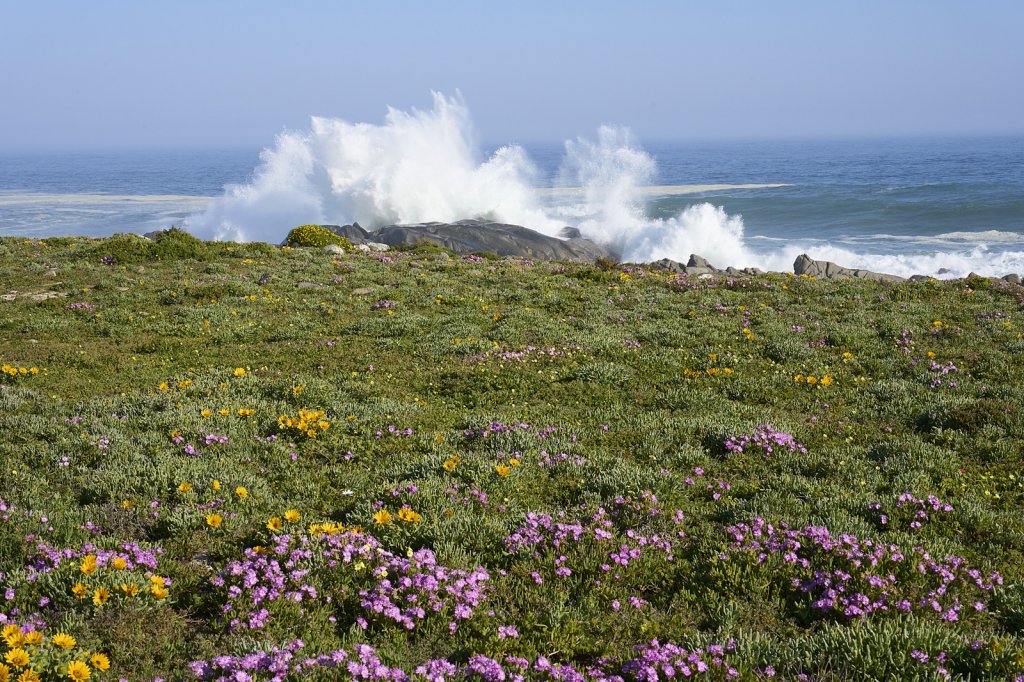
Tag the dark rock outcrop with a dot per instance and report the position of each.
(354, 232)
(805, 265)
(475, 236)
(699, 265)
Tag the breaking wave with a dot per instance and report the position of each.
(421, 166)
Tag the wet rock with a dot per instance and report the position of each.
(673, 266)
(354, 232)
(699, 262)
(805, 265)
(478, 236)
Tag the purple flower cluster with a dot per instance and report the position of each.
(913, 510)
(653, 661)
(856, 578)
(49, 558)
(407, 590)
(403, 590)
(500, 427)
(764, 440)
(559, 537)
(527, 353)
(279, 664)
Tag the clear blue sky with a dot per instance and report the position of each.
(227, 74)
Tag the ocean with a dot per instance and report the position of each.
(941, 207)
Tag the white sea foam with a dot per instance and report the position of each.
(421, 166)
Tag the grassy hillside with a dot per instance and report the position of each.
(253, 461)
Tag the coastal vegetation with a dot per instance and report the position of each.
(241, 461)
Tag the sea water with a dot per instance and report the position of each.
(936, 206)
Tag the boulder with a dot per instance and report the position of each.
(378, 247)
(672, 266)
(334, 248)
(354, 232)
(699, 262)
(476, 236)
(1012, 278)
(805, 265)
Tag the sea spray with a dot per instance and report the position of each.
(418, 166)
(422, 166)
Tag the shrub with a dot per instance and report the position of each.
(316, 236)
(175, 244)
(122, 249)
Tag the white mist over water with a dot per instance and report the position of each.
(421, 166)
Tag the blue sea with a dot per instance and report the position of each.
(930, 206)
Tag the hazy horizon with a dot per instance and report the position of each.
(201, 76)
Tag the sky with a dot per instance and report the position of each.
(223, 74)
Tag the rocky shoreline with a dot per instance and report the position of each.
(515, 241)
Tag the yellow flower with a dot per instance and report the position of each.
(502, 470)
(408, 515)
(274, 524)
(158, 591)
(812, 380)
(17, 657)
(29, 675)
(127, 504)
(78, 671)
(826, 380)
(100, 661)
(224, 412)
(937, 323)
(163, 386)
(80, 590)
(382, 517)
(241, 492)
(88, 566)
(64, 641)
(100, 596)
(119, 564)
(239, 371)
(206, 412)
(12, 635)
(292, 515)
(130, 589)
(514, 462)
(246, 412)
(215, 484)
(449, 464)
(847, 355)
(184, 487)
(798, 378)
(214, 520)
(34, 637)
(158, 580)
(5, 673)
